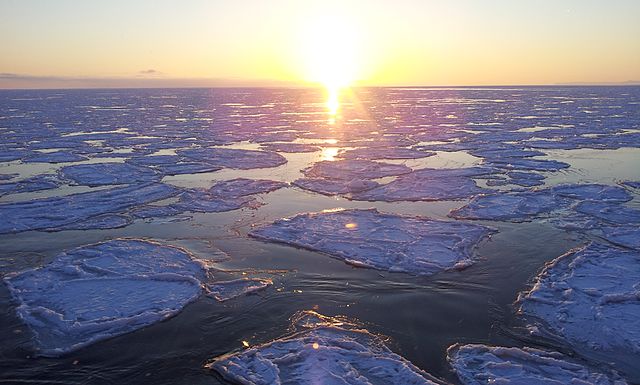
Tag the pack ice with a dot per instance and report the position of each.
(483, 365)
(590, 298)
(325, 350)
(96, 292)
(381, 241)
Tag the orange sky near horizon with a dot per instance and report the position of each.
(459, 42)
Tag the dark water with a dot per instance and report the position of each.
(421, 316)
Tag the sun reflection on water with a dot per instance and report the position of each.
(329, 153)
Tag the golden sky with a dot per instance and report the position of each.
(213, 42)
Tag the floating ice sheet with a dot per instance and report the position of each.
(101, 174)
(354, 169)
(202, 201)
(240, 187)
(58, 212)
(96, 292)
(483, 365)
(425, 185)
(335, 186)
(590, 298)
(185, 168)
(324, 349)
(54, 157)
(226, 290)
(632, 184)
(608, 212)
(235, 158)
(290, 147)
(385, 153)
(625, 236)
(34, 183)
(528, 164)
(593, 192)
(372, 239)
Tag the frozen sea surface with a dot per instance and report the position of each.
(97, 292)
(485, 365)
(324, 350)
(548, 168)
(368, 238)
(589, 297)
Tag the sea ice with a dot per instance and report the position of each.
(323, 349)
(632, 184)
(202, 201)
(100, 291)
(57, 212)
(226, 290)
(590, 298)
(290, 147)
(54, 157)
(368, 238)
(101, 174)
(385, 153)
(181, 168)
(484, 365)
(424, 185)
(354, 169)
(335, 186)
(240, 187)
(235, 158)
(34, 183)
(527, 164)
(517, 207)
(625, 236)
(593, 192)
(608, 212)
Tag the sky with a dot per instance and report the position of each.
(90, 43)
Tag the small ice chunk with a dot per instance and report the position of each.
(516, 207)
(101, 174)
(100, 291)
(425, 185)
(335, 186)
(354, 169)
(368, 238)
(482, 365)
(240, 187)
(385, 153)
(590, 298)
(226, 290)
(325, 350)
(593, 192)
(54, 213)
(290, 147)
(235, 158)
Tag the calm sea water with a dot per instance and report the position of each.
(420, 316)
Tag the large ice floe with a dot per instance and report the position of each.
(235, 158)
(428, 185)
(322, 349)
(368, 238)
(385, 153)
(34, 183)
(590, 298)
(239, 187)
(57, 212)
(100, 174)
(484, 365)
(335, 186)
(354, 169)
(95, 292)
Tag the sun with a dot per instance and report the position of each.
(330, 51)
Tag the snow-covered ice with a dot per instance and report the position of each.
(100, 291)
(593, 192)
(323, 349)
(203, 201)
(368, 238)
(54, 157)
(335, 186)
(426, 185)
(290, 147)
(385, 153)
(517, 207)
(476, 364)
(239, 187)
(354, 169)
(100, 174)
(57, 212)
(235, 158)
(34, 183)
(590, 298)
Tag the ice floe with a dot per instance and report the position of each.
(335, 186)
(202, 201)
(426, 185)
(57, 212)
(239, 187)
(235, 158)
(54, 157)
(385, 153)
(593, 192)
(96, 292)
(368, 238)
(226, 290)
(101, 174)
(323, 349)
(483, 365)
(527, 164)
(590, 298)
(608, 212)
(517, 207)
(31, 184)
(354, 169)
(290, 147)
